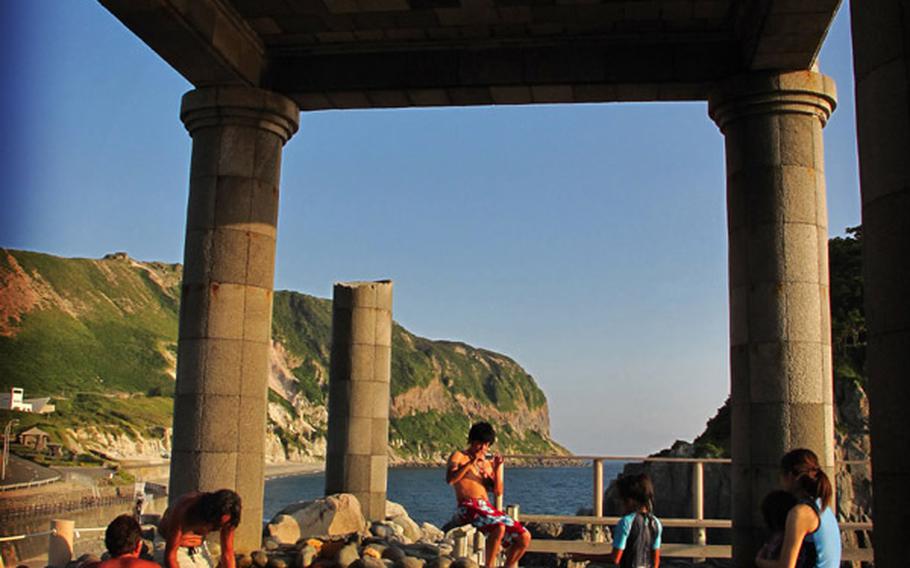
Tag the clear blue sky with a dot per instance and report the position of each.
(586, 241)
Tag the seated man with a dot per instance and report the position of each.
(469, 472)
(186, 523)
(123, 539)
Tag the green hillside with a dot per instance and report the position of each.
(99, 336)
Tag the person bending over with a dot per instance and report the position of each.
(636, 538)
(186, 523)
(123, 539)
(470, 473)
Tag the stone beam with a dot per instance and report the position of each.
(502, 75)
(206, 41)
(789, 34)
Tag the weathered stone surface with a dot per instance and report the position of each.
(306, 556)
(245, 561)
(464, 563)
(332, 516)
(393, 553)
(276, 562)
(410, 562)
(284, 529)
(347, 555)
(399, 516)
(260, 558)
(430, 533)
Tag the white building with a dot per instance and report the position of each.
(13, 400)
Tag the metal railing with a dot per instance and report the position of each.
(698, 549)
(28, 484)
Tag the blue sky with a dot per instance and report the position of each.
(586, 241)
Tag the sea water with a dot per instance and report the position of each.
(425, 495)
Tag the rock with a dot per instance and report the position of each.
(244, 561)
(464, 563)
(445, 549)
(398, 515)
(430, 533)
(277, 562)
(544, 530)
(410, 562)
(284, 529)
(443, 561)
(393, 553)
(422, 551)
(270, 544)
(306, 556)
(387, 530)
(464, 530)
(374, 550)
(260, 558)
(370, 562)
(347, 555)
(333, 516)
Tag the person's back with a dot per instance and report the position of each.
(637, 537)
(826, 539)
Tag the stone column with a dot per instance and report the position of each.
(780, 330)
(359, 380)
(881, 56)
(226, 304)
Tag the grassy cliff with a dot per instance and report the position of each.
(100, 335)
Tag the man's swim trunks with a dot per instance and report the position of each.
(480, 514)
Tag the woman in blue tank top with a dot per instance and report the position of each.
(811, 522)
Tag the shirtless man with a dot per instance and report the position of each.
(470, 473)
(123, 539)
(186, 523)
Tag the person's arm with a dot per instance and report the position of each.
(174, 534)
(656, 558)
(459, 466)
(658, 540)
(498, 485)
(228, 559)
(620, 537)
(801, 520)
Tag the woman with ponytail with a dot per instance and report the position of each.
(811, 522)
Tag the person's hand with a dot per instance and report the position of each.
(497, 461)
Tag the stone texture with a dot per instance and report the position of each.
(225, 312)
(330, 517)
(359, 395)
(881, 60)
(779, 308)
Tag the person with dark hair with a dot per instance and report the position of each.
(774, 508)
(637, 536)
(186, 523)
(471, 472)
(123, 539)
(811, 520)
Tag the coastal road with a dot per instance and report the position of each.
(24, 471)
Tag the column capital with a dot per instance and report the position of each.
(794, 92)
(239, 106)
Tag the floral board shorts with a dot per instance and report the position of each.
(480, 514)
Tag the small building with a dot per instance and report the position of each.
(41, 405)
(34, 438)
(14, 400)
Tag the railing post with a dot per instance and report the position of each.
(60, 543)
(698, 501)
(598, 498)
(500, 473)
(514, 511)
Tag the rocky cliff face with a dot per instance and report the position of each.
(854, 483)
(100, 336)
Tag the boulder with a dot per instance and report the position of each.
(422, 551)
(330, 517)
(464, 563)
(393, 553)
(271, 544)
(368, 562)
(306, 556)
(443, 561)
(388, 531)
(410, 562)
(347, 555)
(244, 561)
(260, 558)
(429, 533)
(373, 549)
(277, 562)
(284, 529)
(399, 516)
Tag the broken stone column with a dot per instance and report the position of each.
(780, 329)
(220, 402)
(359, 396)
(881, 55)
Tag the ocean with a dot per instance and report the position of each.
(424, 494)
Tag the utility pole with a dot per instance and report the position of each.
(6, 434)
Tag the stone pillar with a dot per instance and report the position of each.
(226, 304)
(780, 329)
(881, 56)
(359, 396)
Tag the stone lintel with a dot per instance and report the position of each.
(206, 41)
